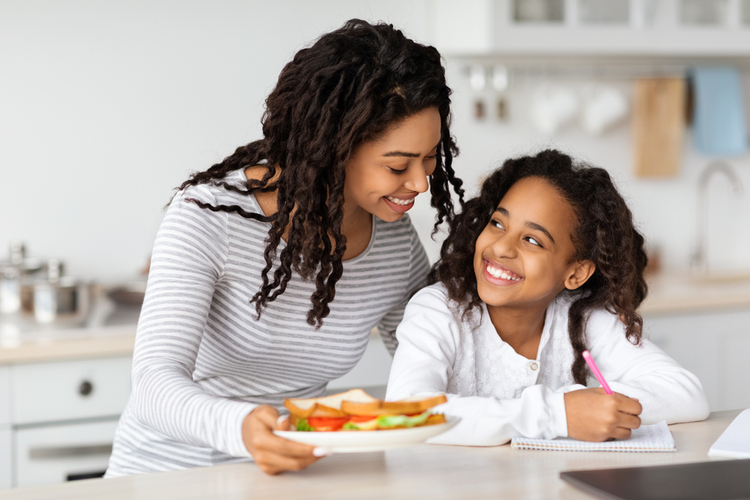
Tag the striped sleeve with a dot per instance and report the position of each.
(419, 266)
(189, 256)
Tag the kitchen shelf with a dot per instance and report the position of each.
(488, 26)
(598, 66)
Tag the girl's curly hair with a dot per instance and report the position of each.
(347, 88)
(605, 235)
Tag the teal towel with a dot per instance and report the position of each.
(718, 112)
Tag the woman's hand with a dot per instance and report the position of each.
(272, 453)
(594, 415)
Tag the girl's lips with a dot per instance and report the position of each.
(400, 204)
(498, 275)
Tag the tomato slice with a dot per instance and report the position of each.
(362, 418)
(327, 423)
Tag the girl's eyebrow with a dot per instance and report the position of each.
(408, 155)
(531, 225)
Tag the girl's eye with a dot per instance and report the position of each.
(397, 171)
(497, 224)
(533, 241)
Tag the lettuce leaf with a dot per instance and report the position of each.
(388, 421)
(303, 426)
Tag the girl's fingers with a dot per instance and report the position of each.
(621, 433)
(628, 405)
(629, 421)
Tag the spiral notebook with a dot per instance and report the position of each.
(734, 442)
(646, 438)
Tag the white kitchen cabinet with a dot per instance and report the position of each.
(4, 396)
(58, 418)
(473, 27)
(70, 390)
(715, 346)
(6, 458)
(55, 454)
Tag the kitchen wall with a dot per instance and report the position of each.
(107, 106)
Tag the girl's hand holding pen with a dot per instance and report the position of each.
(272, 453)
(594, 415)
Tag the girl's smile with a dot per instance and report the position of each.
(499, 275)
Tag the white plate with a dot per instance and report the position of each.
(362, 441)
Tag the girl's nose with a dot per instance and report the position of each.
(503, 246)
(417, 180)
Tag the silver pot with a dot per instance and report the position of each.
(57, 300)
(13, 271)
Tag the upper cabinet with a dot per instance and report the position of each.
(591, 27)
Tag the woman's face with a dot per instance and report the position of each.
(384, 176)
(524, 257)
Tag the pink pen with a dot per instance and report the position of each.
(595, 370)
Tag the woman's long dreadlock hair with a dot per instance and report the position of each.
(604, 234)
(347, 88)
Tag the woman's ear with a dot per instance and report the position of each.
(579, 274)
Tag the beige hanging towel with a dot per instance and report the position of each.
(658, 126)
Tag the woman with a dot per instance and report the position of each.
(271, 267)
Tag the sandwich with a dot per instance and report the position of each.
(356, 410)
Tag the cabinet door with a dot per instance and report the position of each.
(53, 392)
(5, 458)
(736, 368)
(4, 396)
(714, 346)
(55, 454)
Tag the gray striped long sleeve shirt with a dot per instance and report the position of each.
(202, 359)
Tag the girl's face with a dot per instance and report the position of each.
(384, 176)
(524, 257)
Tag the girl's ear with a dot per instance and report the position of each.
(580, 272)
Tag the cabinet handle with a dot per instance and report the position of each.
(70, 451)
(85, 388)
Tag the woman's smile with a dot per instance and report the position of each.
(400, 203)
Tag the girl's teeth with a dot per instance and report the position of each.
(399, 202)
(496, 273)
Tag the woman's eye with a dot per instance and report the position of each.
(533, 241)
(397, 171)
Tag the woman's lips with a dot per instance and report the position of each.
(400, 204)
(498, 275)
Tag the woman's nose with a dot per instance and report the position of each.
(417, 180)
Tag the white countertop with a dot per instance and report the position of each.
(669, 294)
(422, 471)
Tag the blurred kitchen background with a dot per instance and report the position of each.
(106, 107)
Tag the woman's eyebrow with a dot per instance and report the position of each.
(407, 155)
(531, 225)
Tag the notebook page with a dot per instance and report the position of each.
(646, 438)
(734, 442)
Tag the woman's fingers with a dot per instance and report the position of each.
(272, 453)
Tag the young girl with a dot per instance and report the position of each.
(544, 264)
(263, 262)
